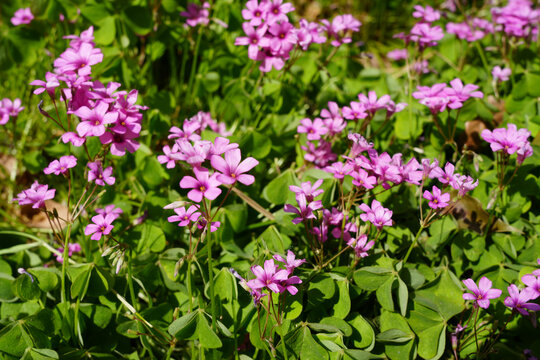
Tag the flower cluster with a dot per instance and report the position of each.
(22, 16)
(226, 167)
(102, 223)
(331, 123)
(473, 30)
(9, 109)
(270, 36)
(423, 33)
(440, 96)
(272, 277)
(517, 19)
(509, 141)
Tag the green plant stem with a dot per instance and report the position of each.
(413, 244)
(283, 347)
(211, 269)
(130, 282)
(482, 56)
(65, 265)
(475, 334)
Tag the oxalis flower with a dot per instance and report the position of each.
(377, 214)
(100, 176)
(437, 199)
(232, 170)
(101, 226)
(203, 185)
(61, 166)
(517, 300)
(482, 293)
(35, 196)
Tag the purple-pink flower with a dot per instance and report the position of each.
(72, 248)
(437, 199)
(197, 14)
(482, 293)
(501, 74)
(100, 176)
(185, 217)
(22, 16)
(203, 185)
(268, 277)
(232, 170)
(61, 166)
(101, 226)
(376, 214)
(110, 210)
(517, 300)
(291, 262)
(304, 210)
(508, 140)
(35, 195)
(314, 129)
(360, 245)
(94, 120)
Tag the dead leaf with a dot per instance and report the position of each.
(37, 219)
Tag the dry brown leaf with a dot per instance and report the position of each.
(37, 219)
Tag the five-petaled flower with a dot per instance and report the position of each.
(482, 293)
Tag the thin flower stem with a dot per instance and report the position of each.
(210, 266)
(334, 257)
(194, 64)
(474, 329)
(65, 261)
(130, 281)
(413, 244)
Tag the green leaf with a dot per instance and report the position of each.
(14, 339)
(184, 328)
(430, 328)
(211, 81)
(384, 294)
(47, 279)
(152, 238)
(390, 320)
(6, 291)
(138, 19)
(207, 336)
(371, 278)
(329, 328)
(224, 285)
(343, 306)
(95, 12)
(339, 324)
(106, 31)
(394, 336)
(533, 84)
(403, 296)
(25, 288)
(442, 295)
(39, 354)
(321, 288)
(304, 346)
(363, 334)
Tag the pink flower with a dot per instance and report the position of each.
(314, 129)
(339, 170)
(276, 11)
(50, 84)
(197, 14)
(100, 176)
(35, 195)
(398, 54)
(120, 142)
(73, 138)
(371, 103)
(22, 16)
(101, 226)
(255, 12)
(461, 92)
(268, 277)
(508, 140)
(11, 108)
(533, 282)
(500, 74)
(356, 111)
(72, 248)
(79, 61)
(518, 300)
(283, 39)
(463, 184)
(437, 200)
(360, 245)
(306, 189)
(203, 185)
(291, 262)
(61, 165)
(255, 38)
(232, 170)
(110, 210)
(482, 293)
(377, 214)
(444, 176)
(425, 35)
(363, 179)
(305, 210)
(168, 157)
(185, 217)
(427, 14)
(94, 120)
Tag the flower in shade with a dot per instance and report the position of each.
(22, 16)
(232, 170)
(197, 14)
(360, 245)
(427, 14)
(72, 248)
(437, 199)
(61, 166)
(268, 277)
(203, 185)
(185, 217)
(35, 195)
(517, 300)
(376, 214)
(501, 74)
(482, 293)
(101, 226)
(167, 158)
(532, 282)
(100, 176)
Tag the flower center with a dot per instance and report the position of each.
(233, 175)
(282, 36)
(257, 13)
(202, 188)
(96, 123)
(102, 228)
